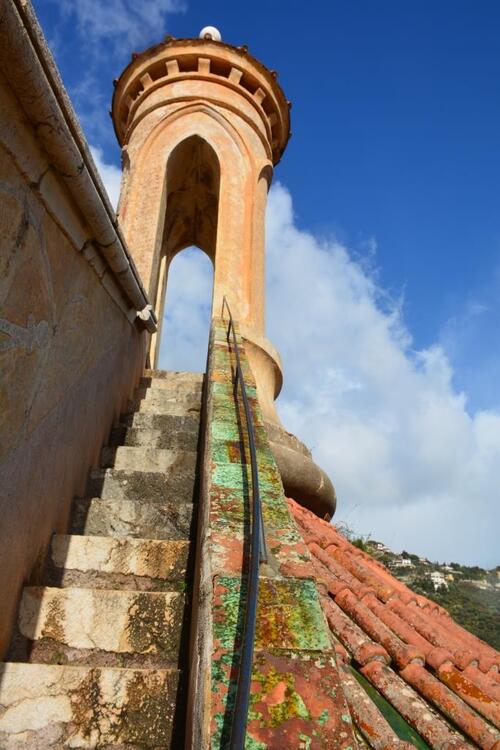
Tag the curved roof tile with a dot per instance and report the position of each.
(442, 680)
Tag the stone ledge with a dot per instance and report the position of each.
(51, 706)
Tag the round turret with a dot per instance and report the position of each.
(203, 68)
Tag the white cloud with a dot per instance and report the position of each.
(110, 175)
(184, 338)
(410, 464)
(92, 41)
(412, 467)
(119, 21)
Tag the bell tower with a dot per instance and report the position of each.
(201, 125)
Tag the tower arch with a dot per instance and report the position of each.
(192, 183)
(192, 203)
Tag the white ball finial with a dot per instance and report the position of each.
(210, 32)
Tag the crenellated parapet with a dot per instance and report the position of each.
(221, 70)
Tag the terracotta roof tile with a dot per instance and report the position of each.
(380, 633)
(470, 693)
(450, 705)
(432, 728)
(484, 681)
(448, 687)
(398, 625)
(352, 637)
(435, 632)
(370, 722)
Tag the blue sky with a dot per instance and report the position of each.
(394, 160)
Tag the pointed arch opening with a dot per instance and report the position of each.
(192, 206)
(184, 280)
(188, 305)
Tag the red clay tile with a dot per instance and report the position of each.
(367, 718)
(333, 567)
(489, 664)
(483, 681)
(484, 650)
(432, 631)
(351, 636)
(400, 652)
(432, 728)
(341, 653)
(397, 625)
(451, 706)
(375, 617)
(362, 571)
(297, 697)
(470, 693)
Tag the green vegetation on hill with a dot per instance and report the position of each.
(470, 594)
(476, 610)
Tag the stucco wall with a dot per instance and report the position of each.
(72, 308)
(69, 358)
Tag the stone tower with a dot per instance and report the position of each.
(201, 125)
(126, 494)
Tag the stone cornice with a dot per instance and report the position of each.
(200, 59)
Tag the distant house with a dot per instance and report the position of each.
(438, 580)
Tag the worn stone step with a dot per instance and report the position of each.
(149, 487)
(102, 627)
(161, 385)
(170, 431)
(129, 518)
(162, 402)
(173, 376)
(107, 562)
(186, 440)
(173, 393)
(142, 458)
(49, 707)
(164, 422)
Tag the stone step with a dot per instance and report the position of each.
(162, 402)
(147, 487)
(173, 393)
(49, 707)
(130, 518)
(102, 627)
(163, 422)
(107, 562)
(159, 385)
(179, 440)
(173, 376)
(169, 462)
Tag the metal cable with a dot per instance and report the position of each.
(258, 554)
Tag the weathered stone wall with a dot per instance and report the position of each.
(72, 346)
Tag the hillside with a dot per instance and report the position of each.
(471, 594)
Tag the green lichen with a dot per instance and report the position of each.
(291, 707)
(323, 717)
(227, 628)
(253, 744)
(289, 615)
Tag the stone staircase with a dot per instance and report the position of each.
(100, 654)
